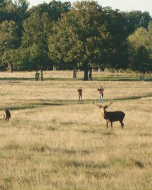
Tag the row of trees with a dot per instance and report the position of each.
(80, 36)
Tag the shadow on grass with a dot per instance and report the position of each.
(16, 79)
(115, 78)
(110, 78)
(42, 103)
(134, 97)
(33, 79)
(86, 165)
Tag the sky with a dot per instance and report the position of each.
(122, 5)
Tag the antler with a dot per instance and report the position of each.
(110, 103)
(100, 106)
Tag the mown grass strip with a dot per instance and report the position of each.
(42, 103)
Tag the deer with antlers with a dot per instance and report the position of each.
(111, 116)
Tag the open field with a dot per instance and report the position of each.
(53, 142)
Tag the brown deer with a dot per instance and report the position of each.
(111, 116)
(6, 115)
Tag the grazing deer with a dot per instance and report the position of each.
(6, 115)
(112, 116)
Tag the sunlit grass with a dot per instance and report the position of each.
(55, 142)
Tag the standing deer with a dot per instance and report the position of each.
(111, 116)
(6, 115)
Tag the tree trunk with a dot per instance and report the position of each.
(54, 68)
(10, 68)
(41, 70)
(90, 74)
(37, 74)
(142, 76)
(85, 72)
(74, 73)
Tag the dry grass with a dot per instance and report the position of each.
(54, 142)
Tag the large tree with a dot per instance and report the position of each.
(79, 36)
(36, 30)
(35, 37)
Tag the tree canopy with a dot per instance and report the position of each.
(82, 36)
(140, 47)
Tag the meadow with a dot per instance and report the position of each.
(53, 142)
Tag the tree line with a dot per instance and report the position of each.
(83, 35)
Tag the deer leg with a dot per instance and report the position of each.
(111, 124)
(107, 124)
(122, 124)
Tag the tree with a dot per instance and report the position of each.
(116, 56)
(150, 39)
(59, 50)
(141, 61)
(140, 48)
(54, 9)
(16, 12)
(11, 17)
(35, 37)
(39, 58)
(22, 60)
(78, 37)
(9, 40)
(134, 20)
(36, 31)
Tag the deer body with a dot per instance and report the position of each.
(6, 115)
(114, 116)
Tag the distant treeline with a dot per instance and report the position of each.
(83, 36)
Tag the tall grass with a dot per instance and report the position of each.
(55, 142)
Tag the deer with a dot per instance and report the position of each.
(6, 115)
(111, 116)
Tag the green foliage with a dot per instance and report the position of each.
(35, 38)
(116, 54)
(78, 37)
(141, 50)
(10, 29)
(22, 60)
(83, 36)
(135, 19)
(141, 60)
(9, 41)
(8, 35)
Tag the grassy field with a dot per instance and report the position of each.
(53, 142)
